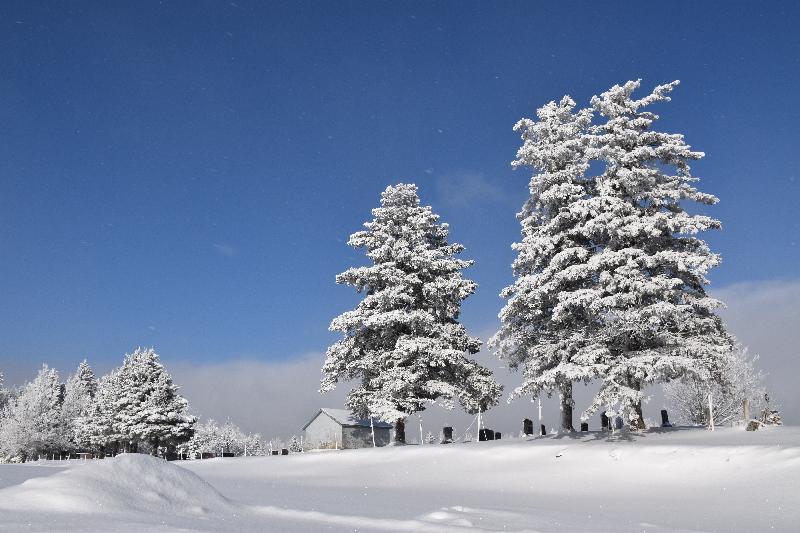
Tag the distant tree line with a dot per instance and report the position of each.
(135, 407)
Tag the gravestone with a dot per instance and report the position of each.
(542, 430)
(527, 426)
(604, 422)
(485, 434)
(618, 423)
(665, 419)
(497, 435)
(584, 426)
(284, 451)
(447, 435)
(275, 452)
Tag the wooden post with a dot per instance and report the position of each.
(539, 401)
(421, 436)
(710, 411)
(372, 428)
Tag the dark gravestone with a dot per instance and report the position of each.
(665, 419)
(619, 423)
(485, 434)
(527, 426)
(584, 426)
(447, 435)
(228, 454)
(275, 452)
(497, 435)
(604, 422)
(542, 430)
(284, 451)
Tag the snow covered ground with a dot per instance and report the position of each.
(680, 480)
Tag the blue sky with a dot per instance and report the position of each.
(186, 174)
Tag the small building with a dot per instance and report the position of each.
(337, 428)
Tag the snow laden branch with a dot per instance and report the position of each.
(403, 343)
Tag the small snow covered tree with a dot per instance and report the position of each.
(739, 382)
(404, 342)
(658, 322)
(32, 421)
(545, 328)
(294, 445)
(148, 406)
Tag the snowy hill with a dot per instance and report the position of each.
(680, 480)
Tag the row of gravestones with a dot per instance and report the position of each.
(282, 451)
(527, 428)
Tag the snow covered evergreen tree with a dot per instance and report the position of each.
(78, 397)
(95, 430)
(542, 330)
(148, 406)
(404, 342)
(740, 382)
(658, 322)
(32, 421)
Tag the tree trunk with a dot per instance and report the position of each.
(637, 408)
(565, 394)
(154, 446)
(400, 431)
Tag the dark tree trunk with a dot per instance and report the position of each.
(637, 407)
(400, 431)
(154, 447)
(565, 392)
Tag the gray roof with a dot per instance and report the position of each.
(343, 417)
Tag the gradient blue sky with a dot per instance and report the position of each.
(186, 174)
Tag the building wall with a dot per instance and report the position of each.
(323, 432)
(361, 437)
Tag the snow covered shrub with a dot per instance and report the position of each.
(739, 381)
(294, 444)
(403, 343)
(211, 438)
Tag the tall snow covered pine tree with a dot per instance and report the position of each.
(658, 322)
(404, 342)
(542, 329)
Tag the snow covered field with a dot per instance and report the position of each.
(680, 480)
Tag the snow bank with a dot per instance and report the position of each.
(676, 480)
(127, 483)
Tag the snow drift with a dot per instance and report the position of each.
(127, 483)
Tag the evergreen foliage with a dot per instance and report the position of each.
(403, 342)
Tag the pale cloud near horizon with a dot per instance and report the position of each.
(765, 317)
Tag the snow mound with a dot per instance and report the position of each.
(125, 483)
